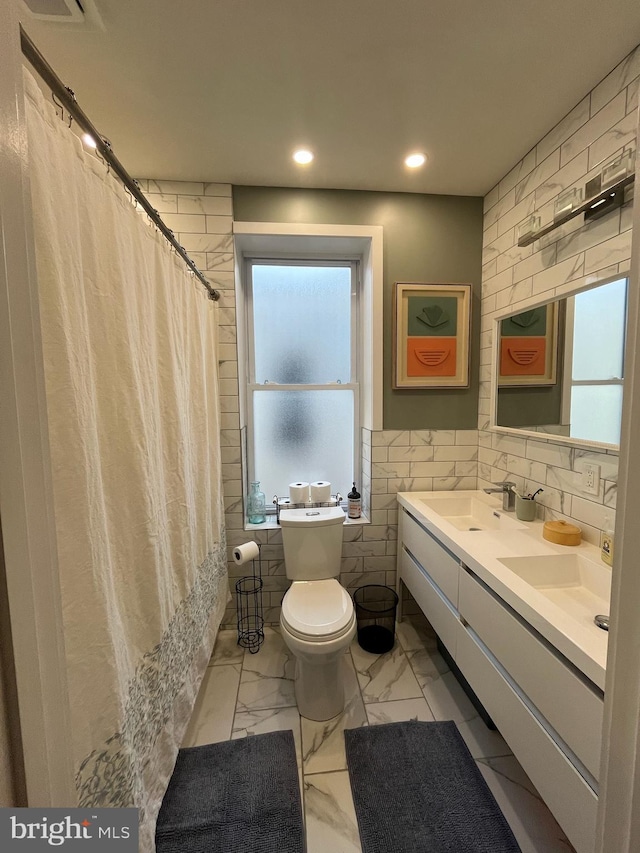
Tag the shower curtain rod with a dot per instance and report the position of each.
(68, 101)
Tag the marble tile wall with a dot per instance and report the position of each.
(602, 125)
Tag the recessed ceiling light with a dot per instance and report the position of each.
(413, 161)
(303, 156)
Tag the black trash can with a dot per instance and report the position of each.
(376, 617)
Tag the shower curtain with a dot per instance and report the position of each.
(129, 342)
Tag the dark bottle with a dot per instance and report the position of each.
(355, 503)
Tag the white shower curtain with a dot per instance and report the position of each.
(129, 343)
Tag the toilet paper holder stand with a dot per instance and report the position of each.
(284, 503)
(250, 609)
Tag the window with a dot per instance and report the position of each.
(597, 370)
(302, 389)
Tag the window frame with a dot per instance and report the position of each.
(569, 383)
(252, 387)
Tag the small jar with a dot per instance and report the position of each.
(257, 505)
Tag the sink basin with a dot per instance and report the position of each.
(471, 513)
(580, 587)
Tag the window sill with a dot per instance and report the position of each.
(272, 524)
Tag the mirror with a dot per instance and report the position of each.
(560, 366)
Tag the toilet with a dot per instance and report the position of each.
(318, 620)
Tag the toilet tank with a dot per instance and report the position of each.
(312, 541)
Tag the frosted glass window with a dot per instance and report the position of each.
(301, 323)
(303, 436)
(599, 332)
(596, 412)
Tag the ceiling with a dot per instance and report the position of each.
(225, 90)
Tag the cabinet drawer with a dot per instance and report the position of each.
(438, 611)
(440, 564)
(565, 792)
(563, 698)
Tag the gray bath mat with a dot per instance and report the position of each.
(416, 789)
(240, 796)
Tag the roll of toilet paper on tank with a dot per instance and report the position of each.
(320, 491)
(299, 493)
(244, 553)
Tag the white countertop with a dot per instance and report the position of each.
(580, 641)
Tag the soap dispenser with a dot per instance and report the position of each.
(606, 542)
(355, 503)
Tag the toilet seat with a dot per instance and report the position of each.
(317, 610)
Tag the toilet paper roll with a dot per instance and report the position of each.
(320, 491)
(243, 553)
(299, 493)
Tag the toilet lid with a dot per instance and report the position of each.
(317, 609)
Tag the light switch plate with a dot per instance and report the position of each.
(591, 478)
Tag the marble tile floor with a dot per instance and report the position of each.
(244, 694)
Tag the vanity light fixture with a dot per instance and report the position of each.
(303, 156)
(414, 161)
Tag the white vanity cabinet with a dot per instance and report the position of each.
(431, 573)
(548, 711)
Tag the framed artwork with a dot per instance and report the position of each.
(431, 326)
(528, 352)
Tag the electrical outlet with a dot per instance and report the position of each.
(591, 478)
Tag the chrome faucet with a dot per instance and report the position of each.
(508, 495)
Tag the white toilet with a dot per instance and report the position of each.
(318, 619)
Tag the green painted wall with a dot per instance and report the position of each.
(427, 238)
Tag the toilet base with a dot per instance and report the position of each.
(319, 688)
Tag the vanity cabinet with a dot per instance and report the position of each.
(549, 713)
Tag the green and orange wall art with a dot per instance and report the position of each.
(431, 335)
(528, 345)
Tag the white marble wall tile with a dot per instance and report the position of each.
(177, 187)
(517, 214)
(163, 203)
(496, 249)
(614, 251)
(499, 209)
(565, 128)
(185, 223)
(444, 468)
(434, 437)
(632, 96)
(497, 282)
(217, 189)
(412, 453)
(535, 263)
(560, 274)
(542, 172)
(391, 437)
(467, 436)
(589, 235)
(616, 81)
(521, 290)
(612, 142)
(599, 124)
(491, 198)
(211, 205)
(446, 484)
(571, 173)
(518, 173)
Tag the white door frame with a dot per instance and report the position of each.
(619, 813)
(26, 496)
